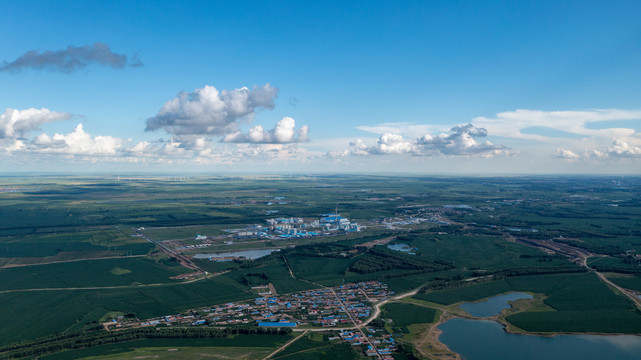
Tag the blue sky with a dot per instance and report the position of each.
(382, 86)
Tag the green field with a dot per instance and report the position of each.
(312, 346)
(236, 347)
(96, 273)
(618, 264)
(403, 314)
(628, 282)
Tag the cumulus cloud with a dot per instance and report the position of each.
(283, 133)
(566, 154)
(459, 141)
(389, 144)
(254, 154)
(71, 59)
(514, 123)
(624, 148)
(77, 142)
(18, 123)
(208, 111)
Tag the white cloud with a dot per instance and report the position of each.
(459, 141)
(512, 123)
(566, 154)
(625, 148)
(392, 144)
(622, 148)
(283, 133)
(18, 123)
(208, 111)
(402, 128)
(77, 142)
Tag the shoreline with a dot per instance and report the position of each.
(431, 347)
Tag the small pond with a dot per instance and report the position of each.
(401, 247)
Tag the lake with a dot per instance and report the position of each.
(486, 340)
(493, 305)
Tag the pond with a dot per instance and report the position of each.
(487, 340)
(401, 247)
(493, 305)
(247, 254)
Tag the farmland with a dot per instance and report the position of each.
(95, 248)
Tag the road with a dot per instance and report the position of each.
(630, 294)
(356, 327)
(184, 261)
(117, 286)
(72, 260)
(580, 256)
(377, 306)
(377, 311)
(284, 346)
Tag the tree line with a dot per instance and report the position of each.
(81, 339)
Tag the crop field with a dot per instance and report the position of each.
(271, 269)
(407, 314)
(195, 352)
(306, 349)
(106, 272)
(628, 282)
(325, 270)
(471, 293)
(480, 252)
(63, 246)
(305, 343)
(236, 347)
(585, 304)
(619, 265)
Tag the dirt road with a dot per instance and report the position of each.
(284, 346)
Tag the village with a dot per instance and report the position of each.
(344, 310)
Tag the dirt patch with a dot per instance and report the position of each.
(430, 347)
(375, 242)
(272, 288)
